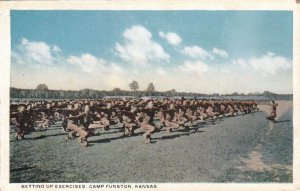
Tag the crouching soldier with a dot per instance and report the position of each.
(168, 119)
(129, 123)
(145, 123)
(83, 119)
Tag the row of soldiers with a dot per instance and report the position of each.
(80, 118)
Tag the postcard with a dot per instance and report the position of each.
(139, 95)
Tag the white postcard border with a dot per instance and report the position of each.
(5, 47)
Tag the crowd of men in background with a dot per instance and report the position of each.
(80, 118)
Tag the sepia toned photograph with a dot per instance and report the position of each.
(148, 97)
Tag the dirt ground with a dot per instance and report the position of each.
(246, 148)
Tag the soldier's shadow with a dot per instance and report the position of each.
(282, 121)
(49, 129)
(45, 136)
(107, 140)
(176, 135)
(108, 132)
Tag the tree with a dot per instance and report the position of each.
(173, 92)
(150, 88)
(42, 87)
(268, 93)
(116, 91)
(134, 85)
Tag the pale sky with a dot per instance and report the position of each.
(192, 51)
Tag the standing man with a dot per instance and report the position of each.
(273, 113)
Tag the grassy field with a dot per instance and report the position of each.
(246, 148)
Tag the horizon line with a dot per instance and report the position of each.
(162, 91)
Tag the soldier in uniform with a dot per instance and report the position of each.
(168, 119)
(20, 123)
(30, 118)
(273, 114)
(129, 123)
(73, 126)
(144, 120)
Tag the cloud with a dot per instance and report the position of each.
(34, 53)
(240, 62)
(196, 52)
(219, 52)
(99, 71)
(161, 71)
(271, 63)
(197, 67)
(103, 74)
(139, 48)
(87, 62)
(267, 64)
(172, 38)
(56, 49)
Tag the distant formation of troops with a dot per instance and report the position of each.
(80, 118)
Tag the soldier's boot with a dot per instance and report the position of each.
(147, 139)
(125, 132)
(106, 128)
(83, 142)
(17, 137)
(71, 136)
(168, 129)
(131, 131)
(123, 128)
(157, 128)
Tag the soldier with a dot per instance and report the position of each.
(169, 117)
(30, 118)
(20, 123)
(211, 113)
(104, 115)
(129, 123)
(85, 119)
(230, 109)
(73, 125)
(273, 113)
(145, 122)
(180, 117)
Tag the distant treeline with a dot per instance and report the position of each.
(44, 93)
(92, 94)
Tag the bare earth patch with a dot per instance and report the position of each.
(254, 161)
